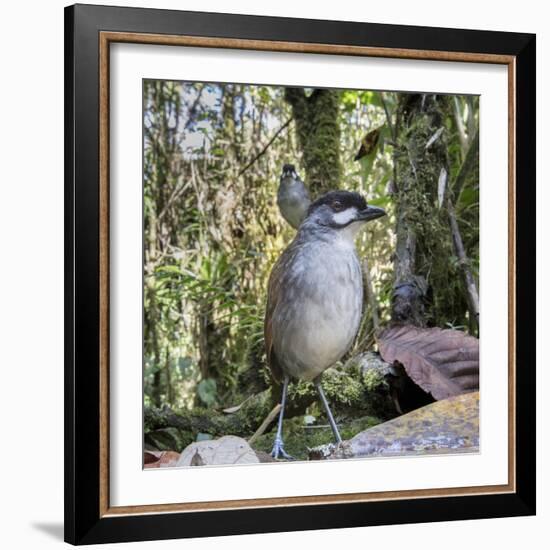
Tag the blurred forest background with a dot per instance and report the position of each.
(213, 154)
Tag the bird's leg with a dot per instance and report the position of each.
(278, 449)
(332, 423)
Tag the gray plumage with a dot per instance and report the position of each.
(315, 294)
(292, 196)
(319, 301)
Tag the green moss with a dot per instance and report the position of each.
(299, 438)
(418, 171)
(341, 388)
(169, 439)
(169, 430)
(351, 391)
(374, 380)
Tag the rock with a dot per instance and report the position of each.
(447, 426)
(229, 449)
(370, 361)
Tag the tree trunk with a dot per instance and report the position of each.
(318, 132)
(427, 285)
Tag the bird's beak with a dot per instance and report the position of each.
(371, 213)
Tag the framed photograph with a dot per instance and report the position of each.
(300, 274)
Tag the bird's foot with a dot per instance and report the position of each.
(278, 450)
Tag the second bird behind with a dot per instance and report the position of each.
(292, 197)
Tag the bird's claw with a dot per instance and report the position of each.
(278, 450)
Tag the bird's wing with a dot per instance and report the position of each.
(273, 291)
(274, 295)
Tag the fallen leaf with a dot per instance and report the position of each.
(368, 143)
(229, 449)
(442, 362)
(160, 459)
(169, 459)
(447, 426)
(236, 408)
(149, 457)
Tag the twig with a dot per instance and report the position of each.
(395, 400)
(371, 296)
(467, 165)
(441, 186)
(460, 125)
(192, 111)
(388, 117)
(367, 341)
(471, 122)
(412, 165)
(434, 137)
(265, 424)
(471, 287)
(176, 194)
(266, 147)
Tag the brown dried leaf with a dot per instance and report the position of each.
(150, 457)
(160, 459)
(368, 143)
(442, 362)
(169, 459)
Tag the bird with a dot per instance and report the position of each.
(292, 196)
(315, 297)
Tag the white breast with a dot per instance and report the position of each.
(293, 202)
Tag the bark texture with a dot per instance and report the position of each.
(318, 131)
(425, 291)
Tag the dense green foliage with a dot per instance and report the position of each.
(213, 154)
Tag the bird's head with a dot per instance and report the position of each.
(342, 211)
(289, 171)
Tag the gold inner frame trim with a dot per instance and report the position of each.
(105, 39)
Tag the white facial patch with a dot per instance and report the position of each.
(346, 216)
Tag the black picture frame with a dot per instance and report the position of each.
(84, 523)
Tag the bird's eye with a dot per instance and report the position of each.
(337, 206)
